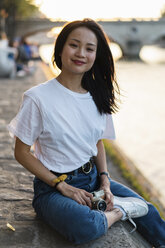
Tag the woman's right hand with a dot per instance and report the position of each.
(79, 195)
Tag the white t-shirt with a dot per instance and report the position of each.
(63, 125)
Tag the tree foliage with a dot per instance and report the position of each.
(18, 8)
(12, 10)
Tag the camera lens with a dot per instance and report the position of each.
(102, 205)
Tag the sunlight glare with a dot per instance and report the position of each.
(46, 53)
(54, 32)
(152, 54)
(96, 9)
(116, 51)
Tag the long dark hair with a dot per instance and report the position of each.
(100, 80)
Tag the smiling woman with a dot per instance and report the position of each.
(66, 119)
(79, 53)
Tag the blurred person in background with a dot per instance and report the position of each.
(7, 57)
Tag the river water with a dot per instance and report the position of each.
(140, 123)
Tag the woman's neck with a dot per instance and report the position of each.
(71, 82)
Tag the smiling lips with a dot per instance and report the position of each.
(78, 62)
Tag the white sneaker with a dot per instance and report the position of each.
(133, 208)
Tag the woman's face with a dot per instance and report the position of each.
(79, 51)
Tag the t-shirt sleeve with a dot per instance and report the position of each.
(109, 132)
(27, 124)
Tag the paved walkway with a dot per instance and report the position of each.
(16, 188)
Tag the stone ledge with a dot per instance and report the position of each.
(38, 234)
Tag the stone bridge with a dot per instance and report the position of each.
(130, 35)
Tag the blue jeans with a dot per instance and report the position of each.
(79, 223)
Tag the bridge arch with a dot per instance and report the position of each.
(130, 47)
(160, 40)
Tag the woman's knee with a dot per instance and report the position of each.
(79, 223)
(76, 222)
(87, 226)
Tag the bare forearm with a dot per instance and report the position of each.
(100, 159)
(31, 163)
(101, 163)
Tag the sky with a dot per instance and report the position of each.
(100, 9)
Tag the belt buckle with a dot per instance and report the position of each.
(86, 168)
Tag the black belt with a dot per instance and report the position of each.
(86, 169)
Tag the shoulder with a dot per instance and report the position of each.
(40, 91)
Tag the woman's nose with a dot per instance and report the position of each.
(80, 52)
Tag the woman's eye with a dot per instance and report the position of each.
(90, 50)
(73, 45)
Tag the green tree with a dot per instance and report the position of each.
(11, 10)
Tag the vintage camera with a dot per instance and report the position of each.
(98, 200)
